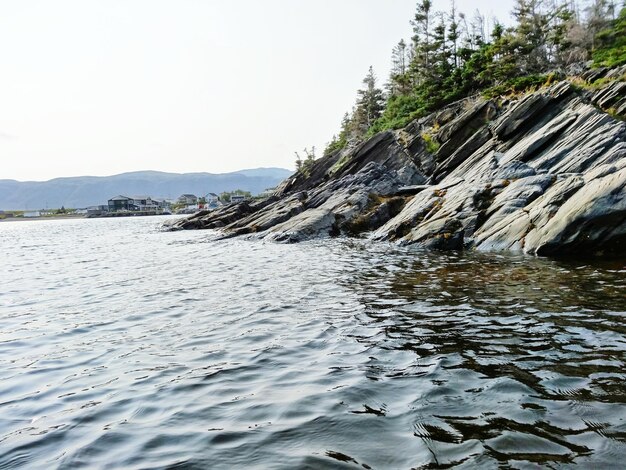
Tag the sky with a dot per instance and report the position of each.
(100, 87)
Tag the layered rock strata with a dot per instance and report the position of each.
(543, 173)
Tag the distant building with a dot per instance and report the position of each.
(122, 203)
(237, 198)
(141, 204)
(212, 201)
(145, 203)
(134, 203)
(30, 214)
(162, 203)
(188, 199)
(94, 210)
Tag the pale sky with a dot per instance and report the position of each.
(92, 87)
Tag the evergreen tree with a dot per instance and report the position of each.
(399, 59)
(370, 104)
(340, 141)
(422, 43)
(557, 40)
(442, 57)
(305, 165)
(454, 34)
(298, 162)
(399, 78)
(310, 156)
(449, 59)
(531, 35)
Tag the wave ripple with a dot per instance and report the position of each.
(125, 347)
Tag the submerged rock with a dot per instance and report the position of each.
(544, 174)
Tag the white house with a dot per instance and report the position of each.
(212, 201)
(188, 199)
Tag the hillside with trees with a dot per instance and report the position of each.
(485, 137)
(452, 56)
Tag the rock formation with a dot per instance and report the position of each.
(543, 173)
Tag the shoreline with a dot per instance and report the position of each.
(75, 217)
(49, 217)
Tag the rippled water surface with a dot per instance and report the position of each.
(122, 346)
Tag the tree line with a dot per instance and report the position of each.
(451, 56)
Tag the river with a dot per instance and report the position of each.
(123, 346)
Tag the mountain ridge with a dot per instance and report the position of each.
(82, 191)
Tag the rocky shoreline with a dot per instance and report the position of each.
(542, 173)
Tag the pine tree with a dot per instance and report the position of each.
(340, 141)
(399, 79)
(310, 156)
(441, 58)
(422, 41)
(454, 34)
(370, 105)
(298, 162)
(557, 40)
(531, 35)
(449, 59)
(399, 59)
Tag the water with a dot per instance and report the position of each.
(122, 346)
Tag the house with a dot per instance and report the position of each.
(135, 203)
(94, 210)
(29, 214)
(122, 203)
(145, 203)
(212, 201)
(163, 206)
(188, 199)
(162, 203)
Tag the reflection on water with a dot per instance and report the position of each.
(521, 359)
(125, 347)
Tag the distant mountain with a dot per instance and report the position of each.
(266, 173)
(83, 191)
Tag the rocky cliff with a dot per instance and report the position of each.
(543, 173)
